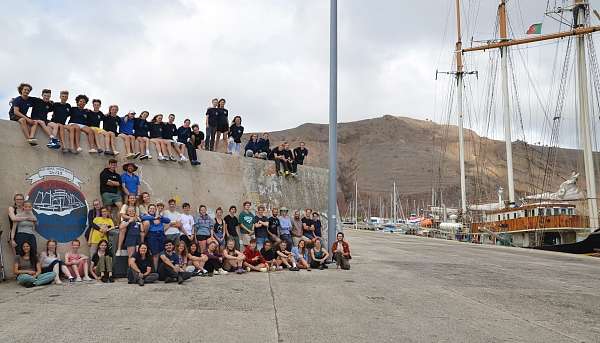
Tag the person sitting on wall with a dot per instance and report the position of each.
(168, 266)
(127, 134)
(341, 252)
(197, 138)
(39, 113)
(300, 154)
(184, 137)
(94, 119)
(264, 147)
(102, 262)
(78, 121)
(18, 112)
(28, 269)
(252, 148)
(282, 164)
(57, 125)
(110, 185)
(140, 267)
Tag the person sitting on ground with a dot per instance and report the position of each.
(169, 269)
(156, 234)
(274, 227)
(102, 262)
(232, 226)
(78, 123)
(169, 133)
(236, 130)
(269, 255)
(300, 154)
(203, 226)
(297, 229)
(197, 259)
(186, 219)
(217, 231)
(127, 134)
(212, 114)
(285, 227)
(252, 148)
(246, 219)
(94, 119)
(110, 125)
(253, 259)
(300, 254)
(141, 129)
(197, 138)
(233, 260)
(39, 113)
(184, 137)
(133, 230)
(318, 255)
(140, 267)
(23, 229)
(317, 223)
(57, 125)
(18, 112)
(100, 228)
(261, 224)
(77, 262)
(28, 269)
(182, 252)
(110, 185)
(264, 147)
(308, 225)
(285, 257)
(51, 262)
(341, 252)
(173, 229)
(222, 125)
(214, 260)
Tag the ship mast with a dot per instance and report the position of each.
(459, 104)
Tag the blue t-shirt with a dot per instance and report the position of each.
(173, 257)
(131, 182)
(285, 225)
(203, 225)
(153, 226)
(22, 104)
(126, 126)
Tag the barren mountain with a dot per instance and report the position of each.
(422, 155)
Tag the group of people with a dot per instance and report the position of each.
(140, 132)
(171, 243)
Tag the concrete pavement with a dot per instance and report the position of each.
(400, 289)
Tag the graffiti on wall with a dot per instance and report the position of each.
(58, 203)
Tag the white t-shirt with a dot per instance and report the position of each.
(187, 223)
(173, 216)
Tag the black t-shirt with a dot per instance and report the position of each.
(156, 130)
(222, 114)
(287, 154)
(140, 127)
(197, 138)
(143, 263)
(40, 109)
(274, 226)
(308, 223)
(232, 222)
(79, 116)
(277, 152)
(61, 113)
(108, 175)
(169, 131)
(212, 113)
(96, 257)
(269, 255)
(236, 133)
(260, 232)
(110, 123)
(94, 118)
(300, 154)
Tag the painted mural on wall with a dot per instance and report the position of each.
(58, 203)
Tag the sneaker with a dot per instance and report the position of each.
(294, 269)
(210, 274)
(179, 278)
(170, 280)
(324, 266)
(87, 278)
(204, 271)
(172, 159)
(143, 157)
(136, 155)
(280, 268)
(78, 279)
(78, 150)
(196, 163)
(294, 174)
(92, 151)
(287, 173)
(64, 149)
(32, 141)
(141, 281)
(129, 156)
(149, 156)
(104, 279)
(161, 158)
(115, 153)
(248, 269)
(223, 272)
(263, 270)
(100, 151)
(240, 271)
(273, 268)
(197, 273)
(182, 159)
(71, 279)
(107, 152)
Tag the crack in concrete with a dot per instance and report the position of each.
(279, 339)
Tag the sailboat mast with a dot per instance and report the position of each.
(395, 215)
(356, 204)
(459, 101)
(506, 101)
(585, 130)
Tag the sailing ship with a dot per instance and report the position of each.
(553, 221)
(56, 202)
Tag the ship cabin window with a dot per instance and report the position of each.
(526, 213)
(563, 211)
(571, 212)
(515, 215)
(499, 218)
(557, 211)
(540, 212)
(548, 211)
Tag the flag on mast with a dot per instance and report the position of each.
(535, 29)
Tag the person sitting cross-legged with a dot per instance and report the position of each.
(102, 262)
(286, 258)
(254, 260)
(168, 265)
(341, 252)
(140, 267)
(233, 259)
(28, 269)
(318, 255)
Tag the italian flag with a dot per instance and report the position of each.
(535, 29)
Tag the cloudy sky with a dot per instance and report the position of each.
(269, 58)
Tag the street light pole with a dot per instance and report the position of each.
(332, 204)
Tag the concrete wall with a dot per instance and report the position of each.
(221, 180)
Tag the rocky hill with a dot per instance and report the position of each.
(421, 155)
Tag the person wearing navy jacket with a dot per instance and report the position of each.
(236, 130)
(252, 148)
(184, 135)
(141, 128)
